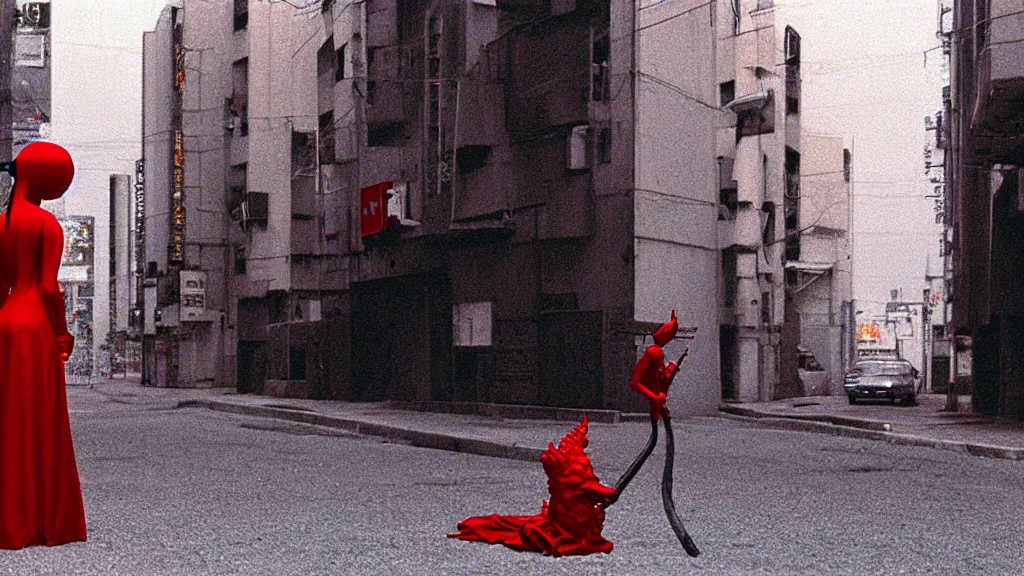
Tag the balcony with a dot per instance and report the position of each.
(998, 109)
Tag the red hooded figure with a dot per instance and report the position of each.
(570, 524)
(40, 494)
(651, 376)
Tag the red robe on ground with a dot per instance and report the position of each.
(40, 494)
(570, 525)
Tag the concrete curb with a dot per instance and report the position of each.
(785, 422)
(509, 411)
(410, 436)
(827, 418)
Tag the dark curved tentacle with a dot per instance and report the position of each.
(638, 463)
(666, 494)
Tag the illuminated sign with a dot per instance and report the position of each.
(868, 333)
(179, 67)
(177, 254)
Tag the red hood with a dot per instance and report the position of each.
(667, 331)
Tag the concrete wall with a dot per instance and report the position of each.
(675, 189)
(157, 140)
(121, 212)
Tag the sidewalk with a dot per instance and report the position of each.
(922, 425)
(506, 433)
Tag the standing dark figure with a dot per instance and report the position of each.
(40, 493)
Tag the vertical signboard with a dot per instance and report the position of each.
(140, 230)
(372, 209)
(177, 255)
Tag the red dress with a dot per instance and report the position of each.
(40, 494)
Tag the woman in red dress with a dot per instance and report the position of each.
(40, 494)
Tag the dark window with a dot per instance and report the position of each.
(325, 58)
(792, 46)
(297, 363)
(384, 135)
(327, 155)
(847, 164)
(726, 92)
(241, 14)
(240, 94)
(729, 278)
(151, 270)
(239, 260)
(339, 58)
(768, 233)
(766, 308)
(604, 145)
(276, 307)
(599, 90)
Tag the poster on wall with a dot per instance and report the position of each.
(193, 295)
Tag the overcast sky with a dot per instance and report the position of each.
(96, 84)
(865, 78)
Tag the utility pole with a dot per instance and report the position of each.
(926, 348)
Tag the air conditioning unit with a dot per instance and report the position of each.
(576, 149)
(255, 207)
(400, 205)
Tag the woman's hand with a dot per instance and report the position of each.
(65, 345)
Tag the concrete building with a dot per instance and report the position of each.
(542, 204)
(760, 214)
(184, 94)
(120, 259)
(545, 206)
(984, 176)
(819, 283)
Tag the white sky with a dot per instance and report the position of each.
(865, 78)
(96, 112)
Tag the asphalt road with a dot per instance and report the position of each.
(191, 491)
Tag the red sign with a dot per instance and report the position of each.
(373, 209)
(868, 332)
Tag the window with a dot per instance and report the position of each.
(604, 145)
(240, 94)
(339, 74)
(240, 260)
(326, 123)
(241, 14)
(325, 64)
(726, 92)
(792, 46)
(766, 308)
(768, 232)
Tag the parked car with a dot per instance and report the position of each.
(885, 379)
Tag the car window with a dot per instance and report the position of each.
(869, 368)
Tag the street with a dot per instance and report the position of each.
(192, 491)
